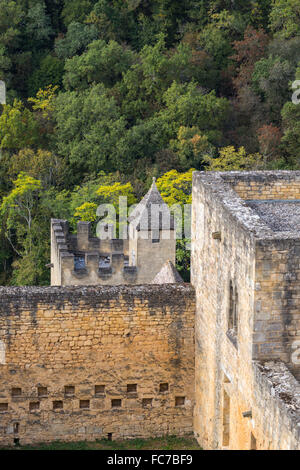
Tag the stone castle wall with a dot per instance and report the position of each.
(234, 406)
(97, 362)
(144, 256)
(277, 303)
(64, 246)
(150, 256)
(265, 185)
(275, 407)
(221, 369)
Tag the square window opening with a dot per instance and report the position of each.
(131, 388)
(163, 387)
(58, 405)
(69, 391)
(84, 404)
(179, 401)
(147, 402)
(116, 403)
(99, 390)
(42, 391)
(16, 392)
(34, 405)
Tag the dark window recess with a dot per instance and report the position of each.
(155, 236)
(109, 436)
(99, 390)
(116, 403)
(16, 428)
(164, 387)
(58, 405)
(69, 391)
(16, 441)
(42, 391)
(179, 401)
(34, 405)
(79, 262)
(84, 404)
(233, 311)
(3, 406)
(16, 392)
(147, 402)
(104, 262)
(132, 388)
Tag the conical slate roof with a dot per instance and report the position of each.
(152, 213)
(168, 275)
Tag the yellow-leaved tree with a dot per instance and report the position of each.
(230, 159)
(176, 189)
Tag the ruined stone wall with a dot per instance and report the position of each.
(90, 363)
(234, 408)
(144, 256)
(275, 407)
(277, 302)
(265, 185)
(221, 366)
(64, 246)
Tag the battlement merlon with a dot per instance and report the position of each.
(65, 248)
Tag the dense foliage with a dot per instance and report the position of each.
(104, 94)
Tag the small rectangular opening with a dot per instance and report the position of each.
(104, 262)
(58, 405)
(69, 391)
(79, 262)
(34, 405)
(99, 390)
(109, 436)
(155, 236)
(42, 391)
(16, 427)
(84, 404)
(116, 403)
(3, 406)
(147, 402)
(179, 401)
(163, 387)
(16, 392)
(131, 388)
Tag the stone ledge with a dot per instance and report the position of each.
(156, 295)
(283, 387)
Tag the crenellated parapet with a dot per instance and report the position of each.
(85, 260)
(82, 259)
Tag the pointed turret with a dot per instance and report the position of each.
(152, 237)
(152, 213)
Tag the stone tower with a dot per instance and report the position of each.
(152, 235)
(86, 260)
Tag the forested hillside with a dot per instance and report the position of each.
(103, 95)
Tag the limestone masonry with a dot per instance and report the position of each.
(98, 362)
(93, 358)
(246, 273)
(149, 243)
